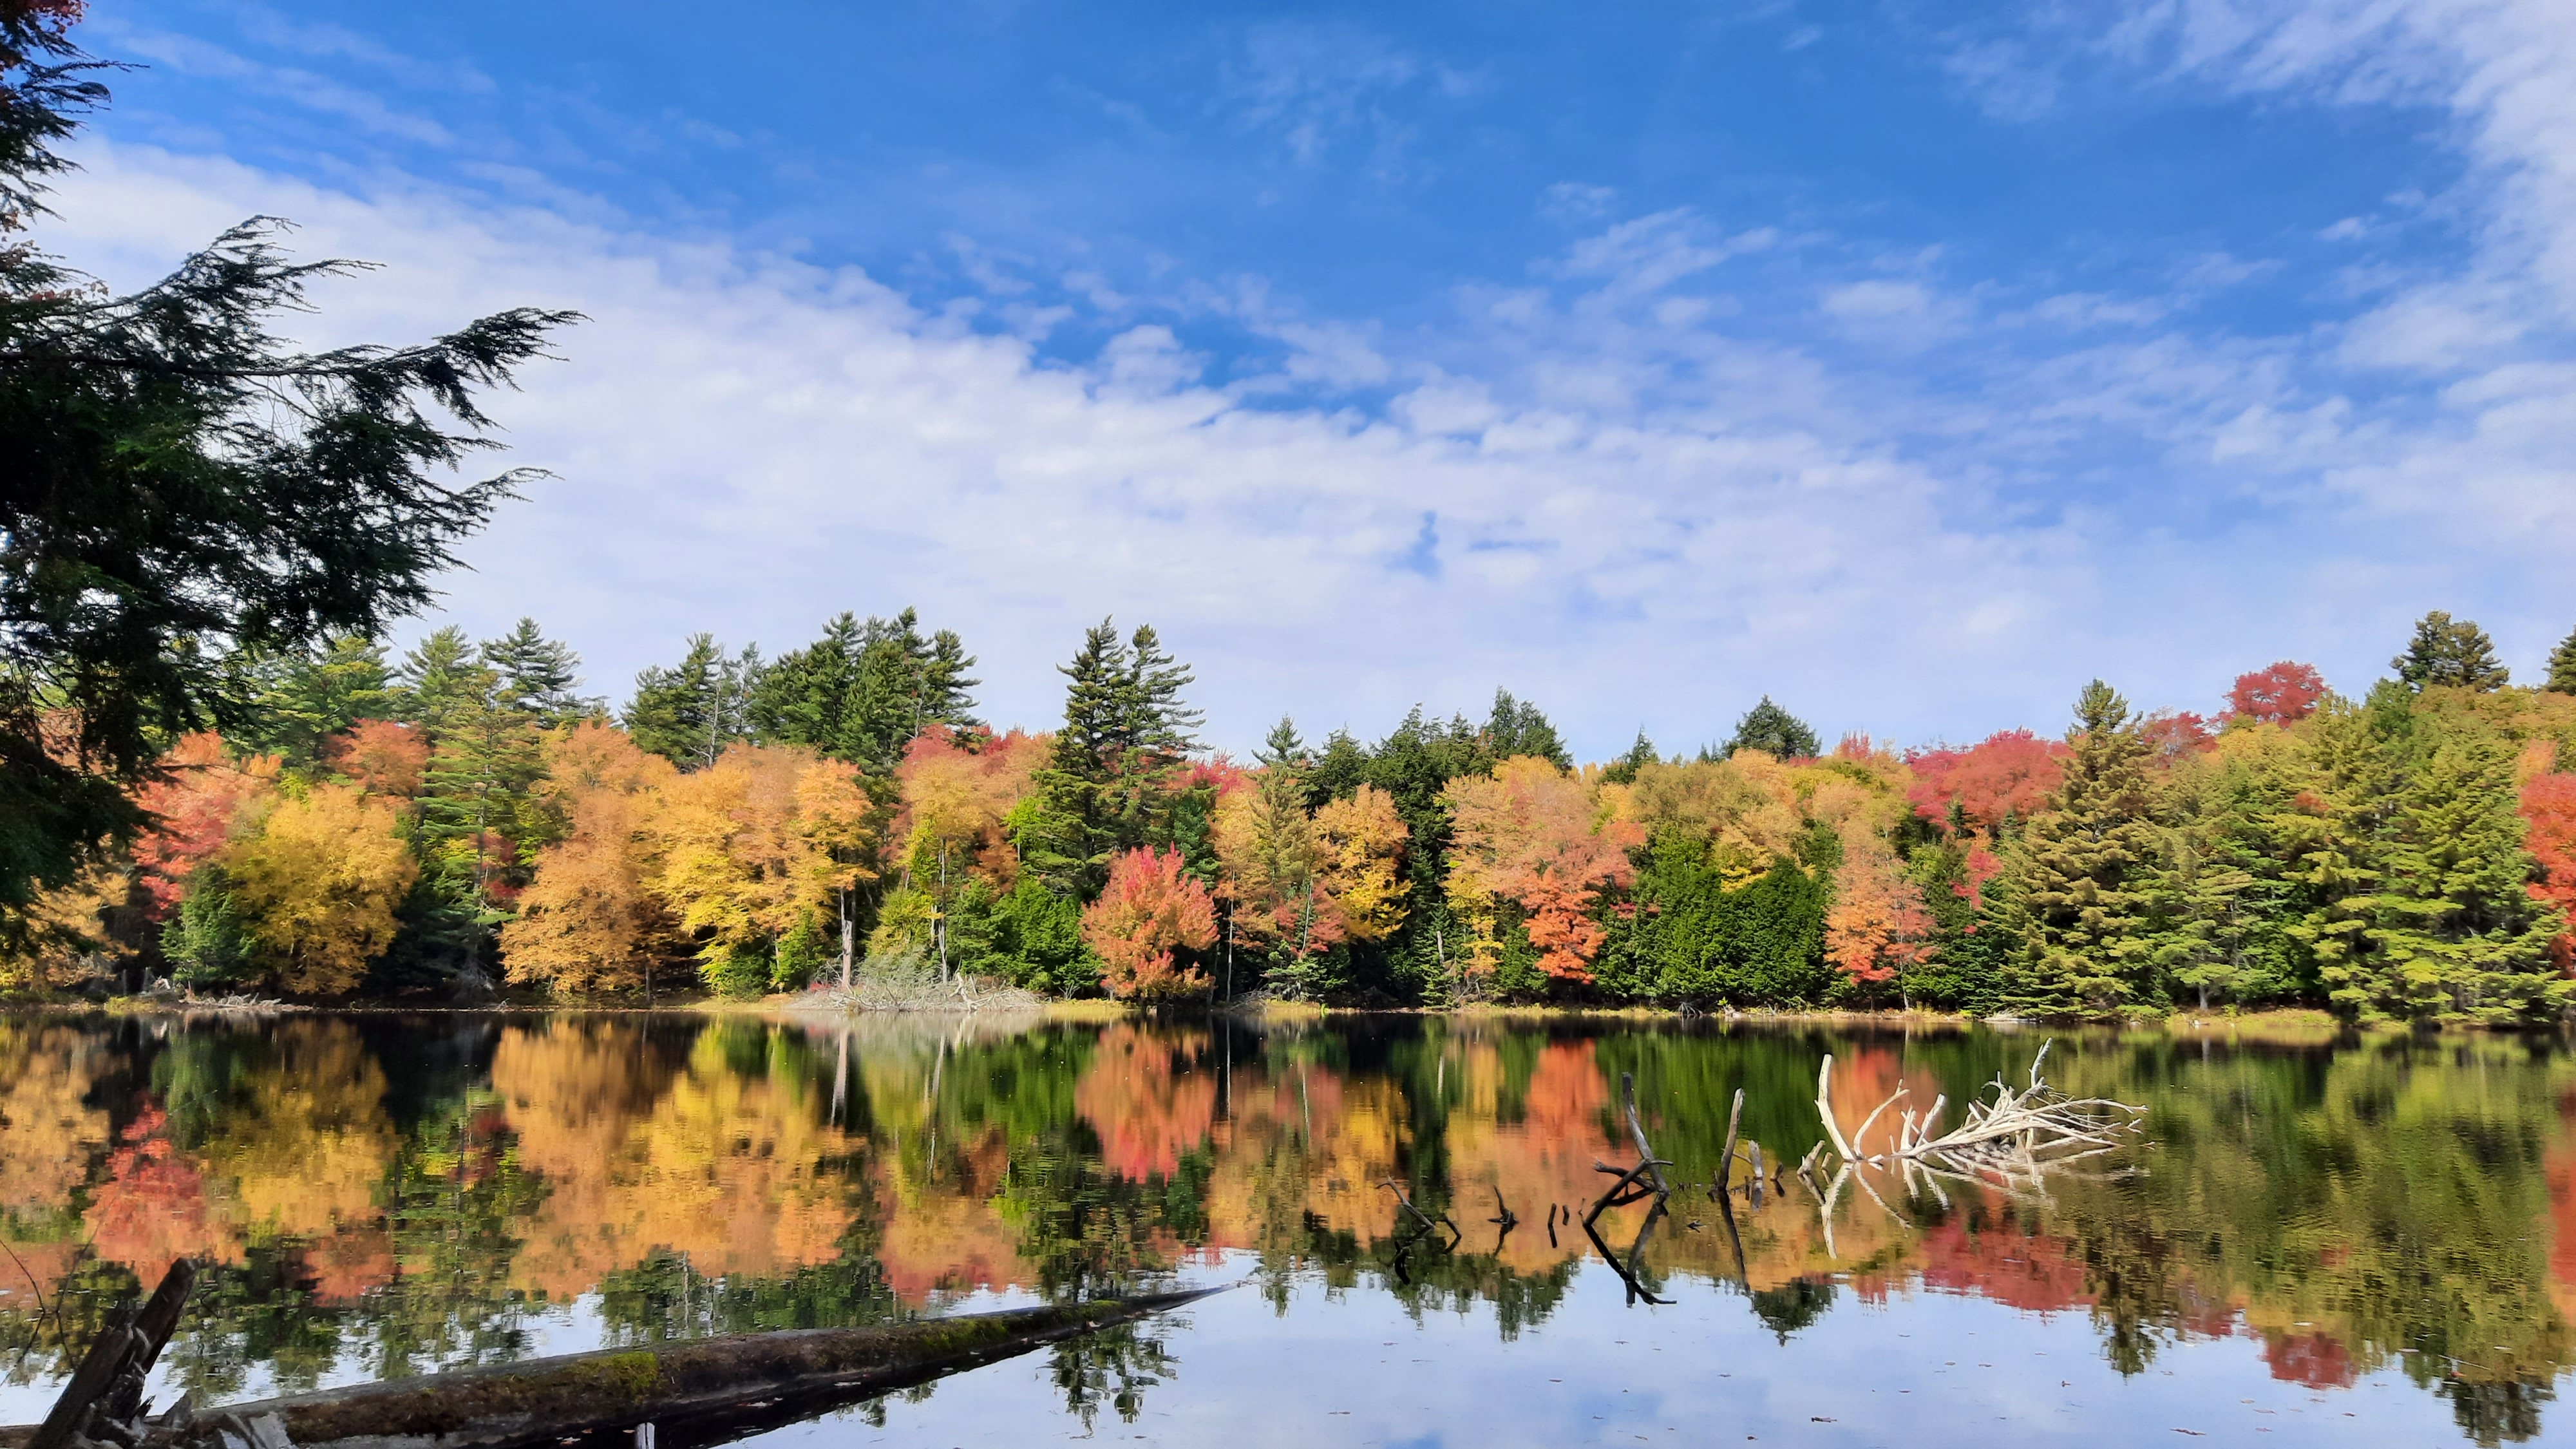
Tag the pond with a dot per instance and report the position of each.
(2366, 1243)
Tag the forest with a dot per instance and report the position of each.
(460, 821)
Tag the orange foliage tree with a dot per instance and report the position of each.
(1532, 835)
(1877, 925)
(382, 757)
(586, 921)
(193, 808)
(1150, 908)
(2549, 807)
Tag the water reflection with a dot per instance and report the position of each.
(379, 1195)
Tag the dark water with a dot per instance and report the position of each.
(2366, 1244)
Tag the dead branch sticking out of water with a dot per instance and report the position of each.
(2013, 1140)
(103, 1407)
(703, 1391)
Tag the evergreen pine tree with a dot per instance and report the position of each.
(2331, 835)
(1517, 727)
(2199, 919)
(1107, 782)
(437, 681)
(537, 676)
(2458, 937)
(1340, 769)
(306, 696)
(182, 486)
(2562, 666)
(1623, 770)
(2452, 652)
(864, 692)
(2077, 902)
(690, 713)
(1775, 732)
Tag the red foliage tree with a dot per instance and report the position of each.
(2549, 806)
(193, 806)
(2010, 772)
(2282, 694)
(2170, 735)
(1151, 907)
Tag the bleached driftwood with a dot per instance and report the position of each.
(2014, 1139)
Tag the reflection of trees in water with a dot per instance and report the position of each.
(1113, 1366)
(709, 1177)
(665, 1299)
(1787, 1307)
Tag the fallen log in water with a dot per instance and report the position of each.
(699, 1392)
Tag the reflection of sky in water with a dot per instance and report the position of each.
(1926, 1369)
(380, 1195)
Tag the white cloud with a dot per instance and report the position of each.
(1907, 316)
(1634, 509)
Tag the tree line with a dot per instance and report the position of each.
(462, 818)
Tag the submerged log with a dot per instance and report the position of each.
(693, 1393)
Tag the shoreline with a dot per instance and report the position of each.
(2303, 1026)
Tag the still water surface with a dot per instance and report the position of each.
(2366, 1244)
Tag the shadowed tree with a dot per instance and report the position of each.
(178, 484)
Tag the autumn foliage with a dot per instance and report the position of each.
(322, 879)
(1151, 908)
(381, 757)
(1878, 925)
(194, 807)
(2549, 810)
(1531, 835)
(2283, 693)
(2007, 775)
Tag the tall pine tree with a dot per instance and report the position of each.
(864, 692)
(537, 676)
(690, 713)
(2077, 901)
(2454, 934)
(2562, 666)
(2450, 652)
(1775, 732)
(1106, 785)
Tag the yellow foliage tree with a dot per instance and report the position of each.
(67, 943)
(1364, 842)
(746, 846)
(320, 880)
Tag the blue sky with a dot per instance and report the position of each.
(1642, 358)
